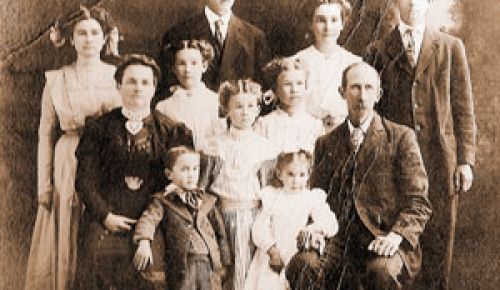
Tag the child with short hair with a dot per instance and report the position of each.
(292, 215)
(191, 103)
(196, 246)
(243, 152)
(290, 127)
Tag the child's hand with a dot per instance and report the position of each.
(275, 261)
(318, 242)
(143, 255)
(223, 274)
(45, 199)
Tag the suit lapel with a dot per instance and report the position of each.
(233, 46)
(207, 203)
(397, 52)
(369, 150)
(174, 204)
(429, 47)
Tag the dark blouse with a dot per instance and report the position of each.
(118, 172)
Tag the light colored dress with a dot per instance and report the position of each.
(243, 153)
(325, 78)
(290, 132)
(65, 105)
(197, 109)
(282, 216)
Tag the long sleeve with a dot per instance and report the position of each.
(217, 222)
(146, 225)
(46, 139)
(413, 185)
(324, 219)
(261, 228)
(462, 105)
(88, 173)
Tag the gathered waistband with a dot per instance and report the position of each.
(227, 203)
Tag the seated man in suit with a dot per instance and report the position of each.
(427, 87)
(373, 173)
(241, 49)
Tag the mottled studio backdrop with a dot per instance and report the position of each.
(25, 53)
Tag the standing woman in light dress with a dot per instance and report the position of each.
(327, 60)
(85, 88)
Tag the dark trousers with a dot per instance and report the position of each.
(199, 275)
(347, 264)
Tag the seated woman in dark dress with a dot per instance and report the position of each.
(119, 168)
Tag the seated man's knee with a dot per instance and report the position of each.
(385, 271)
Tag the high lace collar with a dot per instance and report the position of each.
(239, 134)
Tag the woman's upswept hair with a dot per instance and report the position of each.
(205, 48)
(229, 89)
(136, 59)
(345, 6)
(286, 158)
(63, 28)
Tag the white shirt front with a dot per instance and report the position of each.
(364, 126)
(417, 34)
(212, 17)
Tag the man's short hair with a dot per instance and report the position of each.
(137, 59)
(351, 66)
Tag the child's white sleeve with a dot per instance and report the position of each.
(324, 219)
(261, 229)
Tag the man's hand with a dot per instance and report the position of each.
(275, 261)
(386, 245)
(143, 255)
(118, 223)
(463, 178)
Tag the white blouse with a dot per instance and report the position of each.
(197, 109)
(325, 78)
(243, 153)
(290, 132)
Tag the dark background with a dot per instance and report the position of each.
(25, 53)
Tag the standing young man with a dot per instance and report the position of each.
(426, 84)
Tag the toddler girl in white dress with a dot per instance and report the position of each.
(287, 211)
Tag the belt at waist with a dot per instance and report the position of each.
(227, 203)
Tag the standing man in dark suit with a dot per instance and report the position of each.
(426, 84)
(376, 183)
(241, 49)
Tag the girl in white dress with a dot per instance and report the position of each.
(283, 220)
(290, 127)
(85, 88)
(243, 153)
(327, 60)
(192, 103)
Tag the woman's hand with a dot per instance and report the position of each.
(118, 223)
(275, 261)
(143, 255)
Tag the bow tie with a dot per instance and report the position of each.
(191, 198)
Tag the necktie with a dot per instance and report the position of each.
(356, 139)
(218, 32)
(410, 47)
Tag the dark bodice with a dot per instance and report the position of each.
(117, 171)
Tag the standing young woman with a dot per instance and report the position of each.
(326, 60)
(72, 93)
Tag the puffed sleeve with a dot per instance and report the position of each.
(150, 218)
(323, 218)
(261, 229)
(46, 138)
